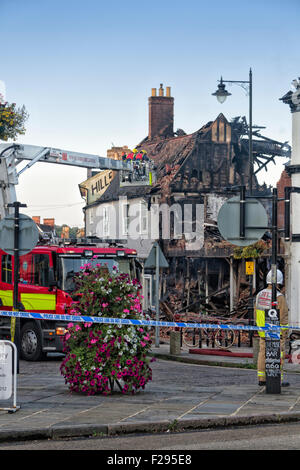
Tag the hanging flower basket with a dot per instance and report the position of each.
(101, 358)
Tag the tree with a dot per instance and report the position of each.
(72, 230)
(12, 120)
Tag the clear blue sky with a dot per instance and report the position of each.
(84, 71)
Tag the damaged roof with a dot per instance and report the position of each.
(171, 152)
(168, 155)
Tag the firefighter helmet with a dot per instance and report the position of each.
(279, 277)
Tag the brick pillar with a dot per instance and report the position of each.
(161, 114)
(285, 180)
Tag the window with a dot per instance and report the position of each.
(143, 218)
(125, 209)
(26, 269)
(105, 221)
(147, 291)
(41, 270)
(6, 269)
(196, 174)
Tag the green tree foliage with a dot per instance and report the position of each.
(72, 233)
(250, 251)
(12, 120)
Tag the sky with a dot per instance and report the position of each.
(84, 71)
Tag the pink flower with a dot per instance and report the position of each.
(105, 304)
(143, 344)
(126, 310)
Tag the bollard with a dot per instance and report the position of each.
(175, 342)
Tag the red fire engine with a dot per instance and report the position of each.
(47, 272)
(46, 285)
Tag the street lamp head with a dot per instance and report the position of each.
(221, 93)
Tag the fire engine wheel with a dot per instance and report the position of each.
(31, 342)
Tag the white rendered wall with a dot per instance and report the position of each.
(294, 288)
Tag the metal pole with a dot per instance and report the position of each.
(157, 295)
(250, 132)
(274, 248)
(231, 284)
(250, 304)
(16, 279)
(287, 214)
(273, 372)
(15, 325)
(242, 211)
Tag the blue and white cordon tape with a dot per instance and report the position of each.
(271, 330)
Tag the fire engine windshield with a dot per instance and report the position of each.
(70, 267)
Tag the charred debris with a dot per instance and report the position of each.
(196, 168)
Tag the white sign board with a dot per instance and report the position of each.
(28, 234)
(5, 371)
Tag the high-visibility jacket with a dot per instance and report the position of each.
(264, 303)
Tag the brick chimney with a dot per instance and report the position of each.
(161, 113)
(49, 222)
(36, 219)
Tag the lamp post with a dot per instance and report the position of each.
(222, 94)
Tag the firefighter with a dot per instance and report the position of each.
(263, 304)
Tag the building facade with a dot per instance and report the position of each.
(193, 174)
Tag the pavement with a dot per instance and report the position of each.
(188, 391)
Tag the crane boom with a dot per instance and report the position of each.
(35, 154)
(12, 155)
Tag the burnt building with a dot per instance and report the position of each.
(194, 171)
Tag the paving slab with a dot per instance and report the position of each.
(187, 392)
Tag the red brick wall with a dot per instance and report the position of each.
(161, 116)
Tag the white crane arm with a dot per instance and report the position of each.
(13, 154)
(35, 154)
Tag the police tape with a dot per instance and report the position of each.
(270, 329)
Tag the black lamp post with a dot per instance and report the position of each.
(222, 94)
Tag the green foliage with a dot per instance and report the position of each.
(72, 233)
(12, 120)
(250, 251)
